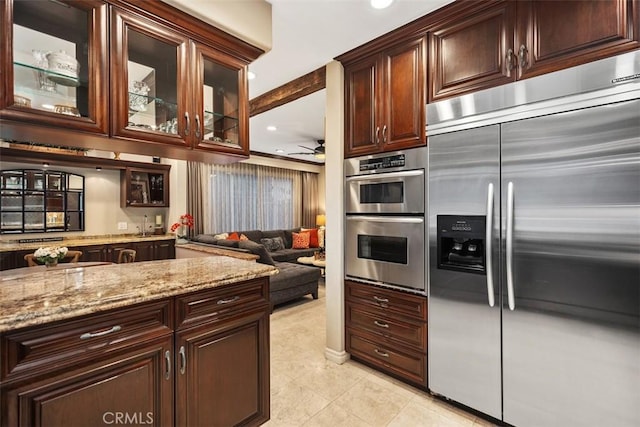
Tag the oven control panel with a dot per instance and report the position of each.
(386, 162)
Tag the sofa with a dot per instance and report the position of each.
(274, 247)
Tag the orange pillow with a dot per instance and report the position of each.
(233, 236)
(314, 242)
(300, 241)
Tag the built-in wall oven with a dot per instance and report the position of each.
(385, 222)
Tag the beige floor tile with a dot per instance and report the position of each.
(294, 404)
(372, 402)
(330, 380)
(335, 416)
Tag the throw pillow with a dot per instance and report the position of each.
(221, 236)
(257, 249)
(300, 240)
(314, 241)
(233, 236)
(273, 244)
(243, 238)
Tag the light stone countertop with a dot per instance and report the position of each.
(9, 246)
(43, 296)
(208, 249)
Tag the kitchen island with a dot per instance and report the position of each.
(172, 342)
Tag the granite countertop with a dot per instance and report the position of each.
(40, 297)
(10, 246)
(208, 249)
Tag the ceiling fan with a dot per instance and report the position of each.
(318, 152)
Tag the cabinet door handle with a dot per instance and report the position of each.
(381, 324)
(381, 353)
(88, 335)
(186, 123)
(509, 59)
(198, 126)
(377, 135)
(522, 54)
(183, 360)
(381, 300)
(228, 300)
(167, 360)
(384, 134)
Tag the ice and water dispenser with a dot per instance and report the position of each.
(461, 243)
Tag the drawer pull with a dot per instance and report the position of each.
(380, 300)
(183, 360)
(88, 335)
(381, 353)
(228, 300)
(381, 324)
(167, 359)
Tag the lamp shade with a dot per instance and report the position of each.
(321, 220)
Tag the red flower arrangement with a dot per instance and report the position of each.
(186, 220)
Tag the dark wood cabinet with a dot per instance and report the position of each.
(387, 329)
(224, 333)
(145, 187)
(67, 92)
(141, 77)
(151, 64)
(146, 250)
(475, 46)
(385, 96)
(196, 359)
(128, 385)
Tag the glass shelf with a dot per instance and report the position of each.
(34, 89)
(151, 113)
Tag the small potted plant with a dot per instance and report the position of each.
(181, 228)
(50, 256)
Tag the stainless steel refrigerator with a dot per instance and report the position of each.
(534, 248)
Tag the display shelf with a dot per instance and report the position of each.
(51, 96)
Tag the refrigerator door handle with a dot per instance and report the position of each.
(510, 293)
(488, 244)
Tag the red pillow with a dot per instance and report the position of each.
(233, 236)
(314, 242)
(300, 241)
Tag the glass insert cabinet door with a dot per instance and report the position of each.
(55, 63)
(36, 201)
(150, 81)
(221, 106)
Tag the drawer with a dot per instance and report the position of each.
(411, 366)
(392, 328)
(60, 345)
(390, 300)
(221, 303)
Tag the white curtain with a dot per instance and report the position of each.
(242, 196)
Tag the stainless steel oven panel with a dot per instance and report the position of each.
(414, 158)
(386, 250)
(394, 192)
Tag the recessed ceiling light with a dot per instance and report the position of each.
(381, 4)
(251, 75)
(272, 128)
(279, 150)
(45, 165)
(98, 168)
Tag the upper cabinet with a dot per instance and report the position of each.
(488, 45)
(152, 81)
(53, 61)
(385, 95)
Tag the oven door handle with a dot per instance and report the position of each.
(386, 175)
(387, 219)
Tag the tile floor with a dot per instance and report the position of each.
(308, 390)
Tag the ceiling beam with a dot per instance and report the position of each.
(302, 86)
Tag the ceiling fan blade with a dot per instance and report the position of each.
(304, 153)
(306, 148)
